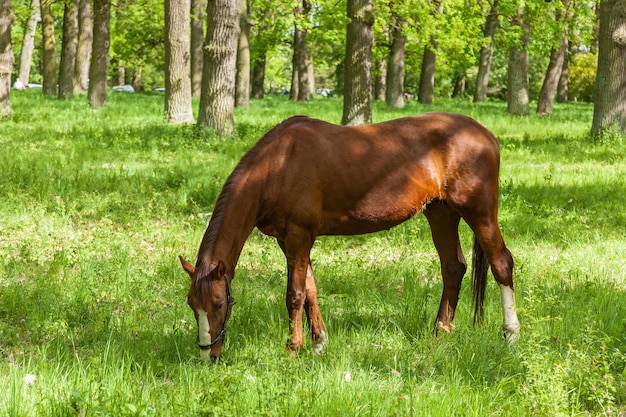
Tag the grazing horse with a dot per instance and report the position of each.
(307, 178)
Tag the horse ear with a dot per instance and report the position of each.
(187, 266)
(220, 269)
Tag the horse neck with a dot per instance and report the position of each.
(233, 219)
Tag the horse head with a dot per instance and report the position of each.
(211, 301)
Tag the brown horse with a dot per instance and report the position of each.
(307, 178)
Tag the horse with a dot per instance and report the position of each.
(306, 178)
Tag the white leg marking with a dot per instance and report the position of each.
(320, 343)
(204, 337)
(510, 324)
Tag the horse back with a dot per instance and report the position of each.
(359, 179)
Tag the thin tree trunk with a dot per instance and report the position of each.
(300, 78)
(49, 49)
(28, 43)
(609, 110)
(545, 103)
(395, 68)
(380, 80)
(357, 96)
(242, 79)
(459, 86)
(258, 77)
(197, 36)
(517, 79)
(177, 65)
(98, 70)
(6, 57)
(217, 99)
(427, 76)
(562, 88)
(486, 53)
(69, 45)
(83, 50)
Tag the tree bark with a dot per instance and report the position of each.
(517, 79)
(609, 110)
(380, 80)
(28, 43)
(98, 70)
(486, 53)
(427, 76)
(242, 78)
(217, 98)
(49, 49)
(197, 36)
(6, 57)
(562, 87)
(395, 68)
(357, 96)
(83, 50)
(545, 103)
(177, 65)
(69, 46)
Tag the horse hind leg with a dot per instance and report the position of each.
(489, 241)
(444, 223)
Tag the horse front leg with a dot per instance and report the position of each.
(313, 314)
(297, 247)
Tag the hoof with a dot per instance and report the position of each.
(447, 328)
(320, 344)
(511, 333)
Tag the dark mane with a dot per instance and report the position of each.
(213, 229)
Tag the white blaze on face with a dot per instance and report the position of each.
(204, 337)
(509, 315)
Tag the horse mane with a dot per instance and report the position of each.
(213, 229)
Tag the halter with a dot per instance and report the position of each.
(222, 335)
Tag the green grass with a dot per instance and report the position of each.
(96, 206)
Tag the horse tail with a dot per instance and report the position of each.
(480, 266)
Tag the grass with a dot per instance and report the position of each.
(96, 206)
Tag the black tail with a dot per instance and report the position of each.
(480, 265)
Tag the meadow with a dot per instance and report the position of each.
(96, 206)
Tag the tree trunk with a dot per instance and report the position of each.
(197, 32)
(217, 98)
(357, 97)
(545, 103)
(395, 68)
(69, 45)
(609, 110)
(486, 53)
(459, 86)
(380, 80)
(242, 78)
(28, 43)
(49, 49)
(427, 76)
(258, 77)
(177, 65)
(83, 50)
(6, 57)
(300, 77)
(561, 90)
(98, 70)
(517, 80)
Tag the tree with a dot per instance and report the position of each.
(83, 49)
(517, 75)
(177, 65)
(49, 49)
(545, 103)
(609, 110)
(429, 61)
(300, 76)
(357, 95)
(6, 56)
(69, 46)
(197, 37)
(98, 70)
(217, 97)
(242, 78)
(28, 43)
(486, 53)
(395, 69)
